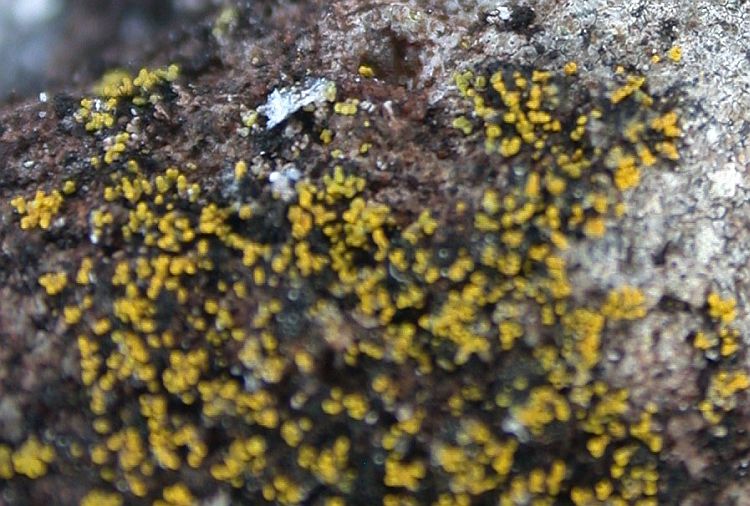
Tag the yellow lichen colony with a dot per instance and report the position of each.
(319, 351)
(39, 211)
(30, 459)
(118, 86)
(721, 346)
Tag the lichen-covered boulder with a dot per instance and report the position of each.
(379, 253)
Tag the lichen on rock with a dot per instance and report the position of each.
(347, 274)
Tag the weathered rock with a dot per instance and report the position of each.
(683, 236)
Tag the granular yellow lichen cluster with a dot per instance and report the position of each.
(31, 459)
(529, 120)
(119, 89)
(721, 347)
(327, 351)
(39, 211)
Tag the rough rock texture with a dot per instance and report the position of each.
(684, 234)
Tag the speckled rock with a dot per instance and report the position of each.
(270, 97)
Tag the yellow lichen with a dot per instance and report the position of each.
(53, 282)
(39, 211)
(720, 309)
(33, 458)
(625, 303)
(101, 498)
(675, 54)
(366, 71)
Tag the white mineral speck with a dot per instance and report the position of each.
(725, 182)
(284, 102)
(283, 181)
(708, 243)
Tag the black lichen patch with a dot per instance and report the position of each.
(668, 29)
(521, 19)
